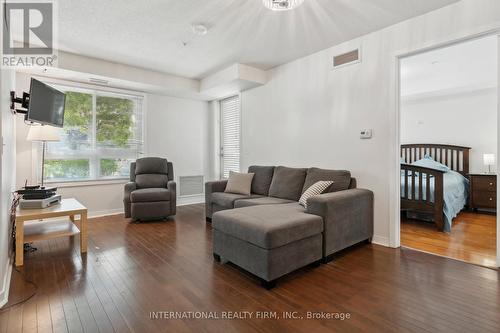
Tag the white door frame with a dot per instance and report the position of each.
(395, 187)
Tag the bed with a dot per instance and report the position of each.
(434, 181)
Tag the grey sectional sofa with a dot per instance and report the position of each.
(269, 234)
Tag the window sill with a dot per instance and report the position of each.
(81, 183)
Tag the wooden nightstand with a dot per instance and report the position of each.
(483, 191)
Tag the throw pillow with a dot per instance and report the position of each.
(314, 189)
(239, 183)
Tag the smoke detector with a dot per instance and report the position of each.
(280, 5)
(199, 29)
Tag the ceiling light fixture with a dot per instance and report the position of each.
(280, 5)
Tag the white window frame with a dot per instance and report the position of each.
(221, 146)
(91, 89)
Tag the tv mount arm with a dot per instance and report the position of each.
(24, 101)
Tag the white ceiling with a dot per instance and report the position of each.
(466, 66)
(150, 34)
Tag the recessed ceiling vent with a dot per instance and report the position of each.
(348, 58)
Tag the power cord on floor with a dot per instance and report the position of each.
(27, 247)
(26, 298)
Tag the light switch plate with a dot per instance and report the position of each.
(365, 134)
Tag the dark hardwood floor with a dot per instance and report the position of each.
(132, 269)
(472, 238)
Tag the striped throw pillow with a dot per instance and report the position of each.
(314, 189)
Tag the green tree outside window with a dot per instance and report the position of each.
(114, 120)
(114, 128)
(67, 169)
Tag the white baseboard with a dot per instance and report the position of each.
(381, 240)
(99, 213)
(4, 294)
(92, 214)
(190, 200)
(180, 202)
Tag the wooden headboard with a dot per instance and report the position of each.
(455, 157)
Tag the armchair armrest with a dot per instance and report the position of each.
(212, 187)
(172, 187)
(129, 187)
(347, 217)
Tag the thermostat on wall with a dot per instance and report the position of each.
(366, 134)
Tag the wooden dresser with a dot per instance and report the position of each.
(483, 191)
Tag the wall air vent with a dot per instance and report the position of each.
(348, 58)
(98, 81)
(190, 185)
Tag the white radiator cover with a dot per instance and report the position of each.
(190, 185)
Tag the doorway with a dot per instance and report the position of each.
(448, 116)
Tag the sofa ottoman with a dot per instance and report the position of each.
(268, 241)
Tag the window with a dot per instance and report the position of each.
(230, 135)
(102, 134)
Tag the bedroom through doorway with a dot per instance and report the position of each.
(448, 154)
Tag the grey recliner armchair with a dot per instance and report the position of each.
(151, 192)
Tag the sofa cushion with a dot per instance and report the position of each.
(150, 194)
(341, 178)
(227, 200)
(263, 175)
(239, 183)
(287, 183)
(269, 226)
(260, 201)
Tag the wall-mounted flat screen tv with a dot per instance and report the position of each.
(46, 104)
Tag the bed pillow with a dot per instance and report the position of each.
(239, 183)
(428, 162)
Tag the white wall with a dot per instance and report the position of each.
(466, 119)
(214, 161)
(310, 115)
(176, 128)
(7, 175)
